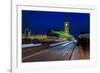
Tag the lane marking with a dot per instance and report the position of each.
(35, 54)
(67, 43)
(30, 45)
(58, 43)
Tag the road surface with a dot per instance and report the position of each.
(49, 53)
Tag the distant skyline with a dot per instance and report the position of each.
(41, 21)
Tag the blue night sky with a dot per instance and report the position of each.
(41, 21)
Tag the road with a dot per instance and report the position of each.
(50, 53)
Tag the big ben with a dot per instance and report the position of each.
(66, 26)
